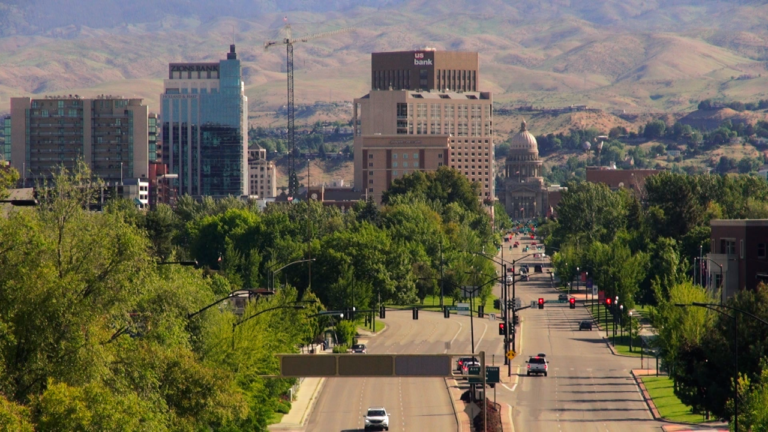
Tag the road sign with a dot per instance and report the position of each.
(462, 308)
(511, 354)
(589, 283)
(468, 291)
(492, 317)
(594, 290)
(492, 374)
(474, 370)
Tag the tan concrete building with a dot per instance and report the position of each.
(387, 157)
(261, 173)
(425, 70)
(109, 133)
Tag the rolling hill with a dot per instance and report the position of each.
(630, 55)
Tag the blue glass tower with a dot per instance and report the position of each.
(205, 116)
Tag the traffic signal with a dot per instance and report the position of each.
(446, 312)
(541, 303)
(480, 311)
(516, 319)
(502, 329)
(382, 312)
(415, 313)
(608, 302)
(573, 303)
(497, 304)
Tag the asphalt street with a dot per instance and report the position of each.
(587, 388)
(414, 404)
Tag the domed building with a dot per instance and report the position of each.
(523, 194)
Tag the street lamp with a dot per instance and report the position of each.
(272, 284)
(234, 325)
(235, 293)
(181, 263)
(621, 314)
(630, 331)
(21, 202)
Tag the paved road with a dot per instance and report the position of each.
(415, 404)
(588, 388)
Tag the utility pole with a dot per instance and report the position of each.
(309, 232)
(442, 284)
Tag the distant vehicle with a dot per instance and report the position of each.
(533, 243)
(463, 360)
(563, 297)
(525, 277)
(585, 325)
(542, 355)
(525, 249)
(537, 268)
(359, 349)
(466, 365)
(537, 365)
(376, 419)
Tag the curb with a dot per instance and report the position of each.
(453, 405)
(312, 401)
(370, 334)
(646, 396)
(672, 426)
(606, 339)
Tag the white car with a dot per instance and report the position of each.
(377, 419)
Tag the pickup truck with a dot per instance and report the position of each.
(537, 365)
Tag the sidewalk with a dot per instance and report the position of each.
(301, 408)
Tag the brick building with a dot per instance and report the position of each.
(617, 179)
(740, 246)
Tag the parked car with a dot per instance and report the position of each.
(585, 325)
(359, 349)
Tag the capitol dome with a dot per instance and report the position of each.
(524, 140)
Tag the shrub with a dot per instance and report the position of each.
(340, 349)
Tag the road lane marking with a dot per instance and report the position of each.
(481, 337)
(454, 337)
(509, 413)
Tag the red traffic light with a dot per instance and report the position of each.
(573, 300)
(501, 329)
(541, 301)
(608, 301)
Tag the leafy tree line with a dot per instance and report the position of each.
(641, 249)
(95, 334)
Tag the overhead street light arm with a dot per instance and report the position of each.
(182, 263)
(297, 307)
(21, 202)
(272, 284)
(257, 292)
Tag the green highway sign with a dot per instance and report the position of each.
(492, 374)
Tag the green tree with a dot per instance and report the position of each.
(654, 129)
(590, 211)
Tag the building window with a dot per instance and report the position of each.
(394, 164)
(761, 250)
(415, 164)
(405, 164)
(415, 155)
(405, 156)
(394, 156)
(370, 156)
(370, 181)
(394, 173)
(370, 164)
(370, 172)
(741, 249)
(370, 189)
(440, 156)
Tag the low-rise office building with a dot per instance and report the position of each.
(261, 174)
(738, 257)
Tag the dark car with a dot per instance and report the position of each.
(563, 297)
(463, 360)
(537, 268)
(359, 349)
(585, 325)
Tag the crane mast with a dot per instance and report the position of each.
(293, 180)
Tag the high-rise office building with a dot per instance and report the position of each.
(109, 133)
(205, 119)
(414, 115)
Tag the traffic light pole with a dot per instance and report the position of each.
(504, 313)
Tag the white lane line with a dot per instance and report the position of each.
(454, 337)
(481, 337)
(509, 412)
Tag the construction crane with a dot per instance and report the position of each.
(288, 41)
